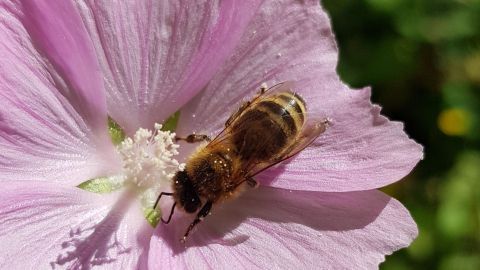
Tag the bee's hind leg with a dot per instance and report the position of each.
(252, 182)
(245, 104)
(200, 216)
(263, 89)
(193, 138)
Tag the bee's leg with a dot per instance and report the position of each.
(200, 216)
(194, 138)
(237, 113)
(245, 104)
(252, 182)
(263, 89)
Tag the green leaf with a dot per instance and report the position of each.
(171, 123)
(116, 132)
(100, 185)
(153, 216)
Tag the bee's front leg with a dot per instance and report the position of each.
(200, 216)
(193, 138)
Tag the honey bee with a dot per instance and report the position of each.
(264, 131)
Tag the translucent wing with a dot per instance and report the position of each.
(263, 93)
(309, 133)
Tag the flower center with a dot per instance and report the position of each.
(148, 167)
(148, 158)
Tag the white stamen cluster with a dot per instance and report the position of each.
(148, 157)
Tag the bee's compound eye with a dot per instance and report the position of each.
(188, 196)
(192, 204)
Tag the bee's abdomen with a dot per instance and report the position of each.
(295, 105)
(266, 128)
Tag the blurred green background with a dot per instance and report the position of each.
(422, 59)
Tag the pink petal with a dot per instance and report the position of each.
(277, 229)
(58, 33)
(298, 46)
(156, 55)
(52, 104)
(360, 151)
(44, 226)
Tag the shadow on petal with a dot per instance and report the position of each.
(321, 211)
(98, 244)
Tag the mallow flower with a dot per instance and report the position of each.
(73, 198)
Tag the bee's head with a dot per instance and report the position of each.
(186, 194)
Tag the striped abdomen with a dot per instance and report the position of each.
(269, 126)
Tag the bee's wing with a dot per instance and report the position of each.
(226, 132)
(280, 87)
(309, 133)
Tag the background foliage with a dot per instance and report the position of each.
(422, 59)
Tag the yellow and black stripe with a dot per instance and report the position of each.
(287, 109)
(269, 125)
(295, 105)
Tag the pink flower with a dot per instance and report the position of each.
(65, 66)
